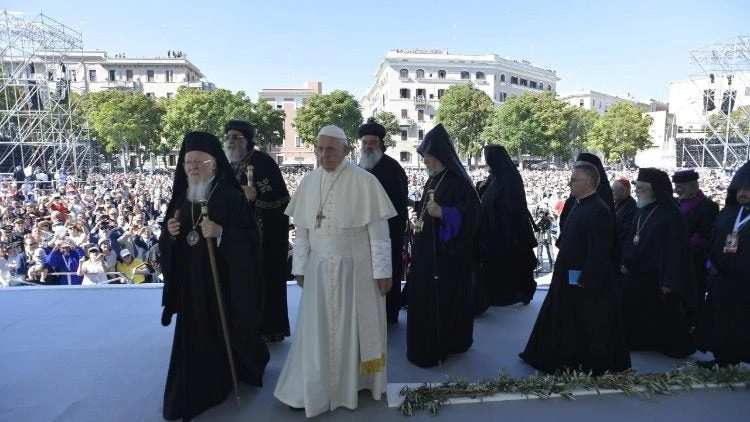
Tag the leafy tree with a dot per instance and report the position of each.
(207, 111)
(532, 124)
(580, 121)
(465, 111)
(620, 133)
(269, 124)
(739, 123)
(125, 120)
(389, 121)
(337, 108)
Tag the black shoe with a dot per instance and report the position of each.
(297, 409)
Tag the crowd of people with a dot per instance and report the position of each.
(650, 272)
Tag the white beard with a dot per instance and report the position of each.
(643, 200)
(199, 191)
(234, 155)
(368, 160)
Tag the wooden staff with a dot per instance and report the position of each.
(249, 174)
(222, 315)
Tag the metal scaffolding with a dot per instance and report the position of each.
(724, 140)
(41, 124)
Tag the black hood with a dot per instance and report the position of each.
(438, 143)
(741, 179)
(659, 181)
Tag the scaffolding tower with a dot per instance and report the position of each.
(41, 125)
(724, 140)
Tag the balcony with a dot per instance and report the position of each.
(122, 85)
(406, 122)
(421, 101)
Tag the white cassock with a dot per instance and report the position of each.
(339, 343)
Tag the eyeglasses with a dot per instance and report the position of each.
(197, 163)
(234, 137)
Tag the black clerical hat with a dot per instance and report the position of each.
(243, 127)
(684, 176)
(659, 181)
(438, 143)
(373, 128)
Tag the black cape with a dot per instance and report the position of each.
(506, 240)
(700, 221)
(268, 209)
(440, 318)
(580, 327)
(393, 178)
(654, 320)
(199, 375)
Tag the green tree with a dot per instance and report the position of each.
(207, 111)
(125, 121)
(739, 123)
(337, 108)
(390, 123)
(532, 124)
(580, 121)
(620, 133)
(269, 124)
(465, 111)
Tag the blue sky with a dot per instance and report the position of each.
(635, 46)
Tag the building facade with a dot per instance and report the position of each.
(293, 151)
(410, 84)
(601, 102)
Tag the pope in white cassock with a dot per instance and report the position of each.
(342, 259)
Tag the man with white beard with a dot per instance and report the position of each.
(658, 284)
(267, 195)
(199, 375)
(393, 178)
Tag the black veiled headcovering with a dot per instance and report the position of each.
(659, 181)
(243, 127)
(373, 128)
(740, 180)
(210, 144)
(438, 143)
(604, 190)
(507, 176)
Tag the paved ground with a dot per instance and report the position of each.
(100, 354)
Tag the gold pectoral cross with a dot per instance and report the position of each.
(318, 219)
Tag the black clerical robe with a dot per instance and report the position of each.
(199, 376)
(579, 326)
(268, 209)
(506, 246)
(700, 219)
(655, 320)
(624, 212)
(724, 328)
(392, 177)
(440, 318)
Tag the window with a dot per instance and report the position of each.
(170, 94)
(441, 74)
(502, 96)
(404, 113)
(465, 75)
(403, 74)
(514, 80)
(298, 142)
(279, 106)
(432, 96)
(480, 75)
(420, 73)
(747, 91)
(421, 93)
(169, 75)
(532, 84)
(405, 156)
(92, 75)
(150, 95)
(112, 75)
(404, 135)
(523, 82)
(580, 103)
(279, 159)
(420, 134)
(404, 93)
(420, 116)
(129, 75)
(73, 76)
(440, 93)
(150, 75)
(432, 116)
(549, 87)
(502, 78)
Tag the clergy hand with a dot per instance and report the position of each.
(384, 284)
(665, 290)
(210, 229)
(300, 280)
(173, 224)
(433, 208)
(623, 269)
(250, 193)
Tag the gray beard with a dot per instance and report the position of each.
(434, 171)
(234, 155)
(643, 201)
(199, 191)
(368, 160)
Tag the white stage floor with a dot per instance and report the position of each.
(100, 354)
